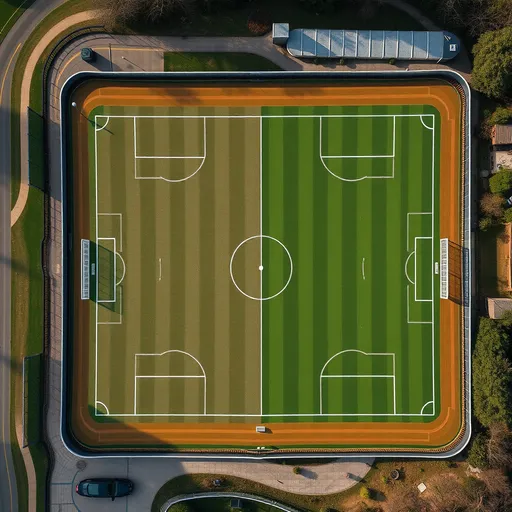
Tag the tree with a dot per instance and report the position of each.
(502, 115)
(501, 181)
(492, 69)
(485, 223)
(492, 205)
(492, 375)
(124, 12)
(507, 216)
(297, 470)
(477, 455)
(499, 447)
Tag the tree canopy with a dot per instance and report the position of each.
(501, 181)
(492, 69)
(492, 376)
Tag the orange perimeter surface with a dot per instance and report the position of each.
(439, 435)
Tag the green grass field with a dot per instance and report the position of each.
(274, 264)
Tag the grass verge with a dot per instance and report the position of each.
(217, 62)
(223, 505)
(10, 11)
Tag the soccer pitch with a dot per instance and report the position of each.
(276, 265)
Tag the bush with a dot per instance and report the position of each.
(365, 493)
(491, 205)
(492, 69)
(297, 470)
(501, 181)
(181, 507)
(502, 115)
(341, 62)
(392, 61)
(485, 223)
(492, 378)
(259, 22)
(477, 455)
(384, 479)
(507, 216)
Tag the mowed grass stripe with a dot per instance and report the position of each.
(224, 246)
(335, 255)
(207, 298)
(350, 271)
(322, 329)
(303, 255)
(238, 232)
(273, 186)
(397, 220)
(192, 139)
(380, 239)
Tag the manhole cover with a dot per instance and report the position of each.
(81, 465)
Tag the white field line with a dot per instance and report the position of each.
(101, 127)
(261, 266)
(362, 270)
(357, 376)
(103, 405)
(278, 116)
(188, 354)
(432, 233)
(270, 415)
(408, 224)
(120, 216)
(115, 270)
(300, 116)
(97, 273)
(416, 238)
(160, 269)
(374, 354)
(428, 403)
(409, 321)
(120, 313)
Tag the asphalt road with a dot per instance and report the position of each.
(9, 50)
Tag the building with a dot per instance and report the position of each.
(501, 154)
(498, 307)
(367, 44)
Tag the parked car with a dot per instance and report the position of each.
(509, 201)
(105, 488)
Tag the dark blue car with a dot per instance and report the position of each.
(105, 488)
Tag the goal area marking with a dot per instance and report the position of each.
(428, 408)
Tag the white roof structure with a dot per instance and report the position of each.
(372, 44)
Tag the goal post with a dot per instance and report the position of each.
(444, 268)
(451, 271)
(86, 264)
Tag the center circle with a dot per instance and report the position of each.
(247, 264)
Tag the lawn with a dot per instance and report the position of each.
(217, 62)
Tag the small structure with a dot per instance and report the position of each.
(422, 487)
(367, 44)
(280, 33)
(501, 154)
(261, 429)
(236, 504)
(496, 308)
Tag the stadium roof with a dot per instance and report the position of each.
(372, 44)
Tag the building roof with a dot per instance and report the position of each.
(497, 307)
(373, 44)
(501, 160)
(502, 134)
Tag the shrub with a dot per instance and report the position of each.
(507, 216)
(501, 181)
(384, 479)
(392, 61)
(181, 507)
(492, 378)
(502, 115)
(477, 455)
(485, 223)
(259, 22)
(492, 69)
(341, 62)
(491, 205)
(297, 470)
(365, 493)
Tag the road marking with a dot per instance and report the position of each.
(7, 70)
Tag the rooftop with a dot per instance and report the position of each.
(502, 134)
